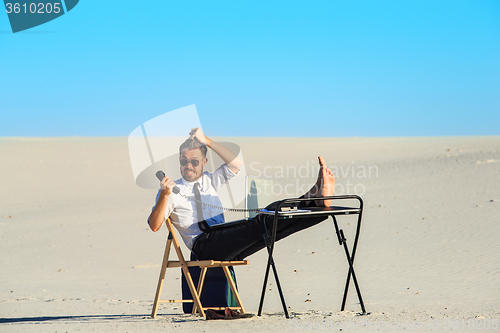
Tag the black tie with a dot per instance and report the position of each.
(202, 224)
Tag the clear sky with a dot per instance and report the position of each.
(257, 68)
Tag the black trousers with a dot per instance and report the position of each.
(238, 241)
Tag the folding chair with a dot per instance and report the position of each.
(204, 265)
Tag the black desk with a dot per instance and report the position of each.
(315, 211)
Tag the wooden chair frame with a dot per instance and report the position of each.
(204, 265)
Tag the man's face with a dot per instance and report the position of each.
(190, 157)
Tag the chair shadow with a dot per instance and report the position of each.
(100, 318)
(89, 318)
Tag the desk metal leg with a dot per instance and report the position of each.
(342, 241)
(270, 262)
(264, 287)
(354, 247)
(282, 297)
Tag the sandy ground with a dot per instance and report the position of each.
(77, 254)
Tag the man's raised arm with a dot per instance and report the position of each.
(233, 162)
(157, 216)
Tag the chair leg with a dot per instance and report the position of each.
(233, 288)
(162, 277)
(194, 293)
(200, 287)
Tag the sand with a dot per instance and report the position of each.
(77, 254)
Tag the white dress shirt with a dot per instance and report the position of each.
(183, 212)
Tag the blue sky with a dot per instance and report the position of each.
(257, 68)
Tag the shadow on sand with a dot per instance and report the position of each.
(100, 318)
(90, 318)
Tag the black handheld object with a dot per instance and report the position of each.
(160, 175)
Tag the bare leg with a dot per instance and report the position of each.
(324, 186)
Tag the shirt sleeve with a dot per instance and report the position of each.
(220, 176)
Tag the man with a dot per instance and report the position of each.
(193, 220)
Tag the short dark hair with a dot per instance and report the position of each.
(193, 144)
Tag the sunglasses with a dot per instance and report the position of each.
(185, 161)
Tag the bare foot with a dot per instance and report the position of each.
(323, 187)
(325, 183)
